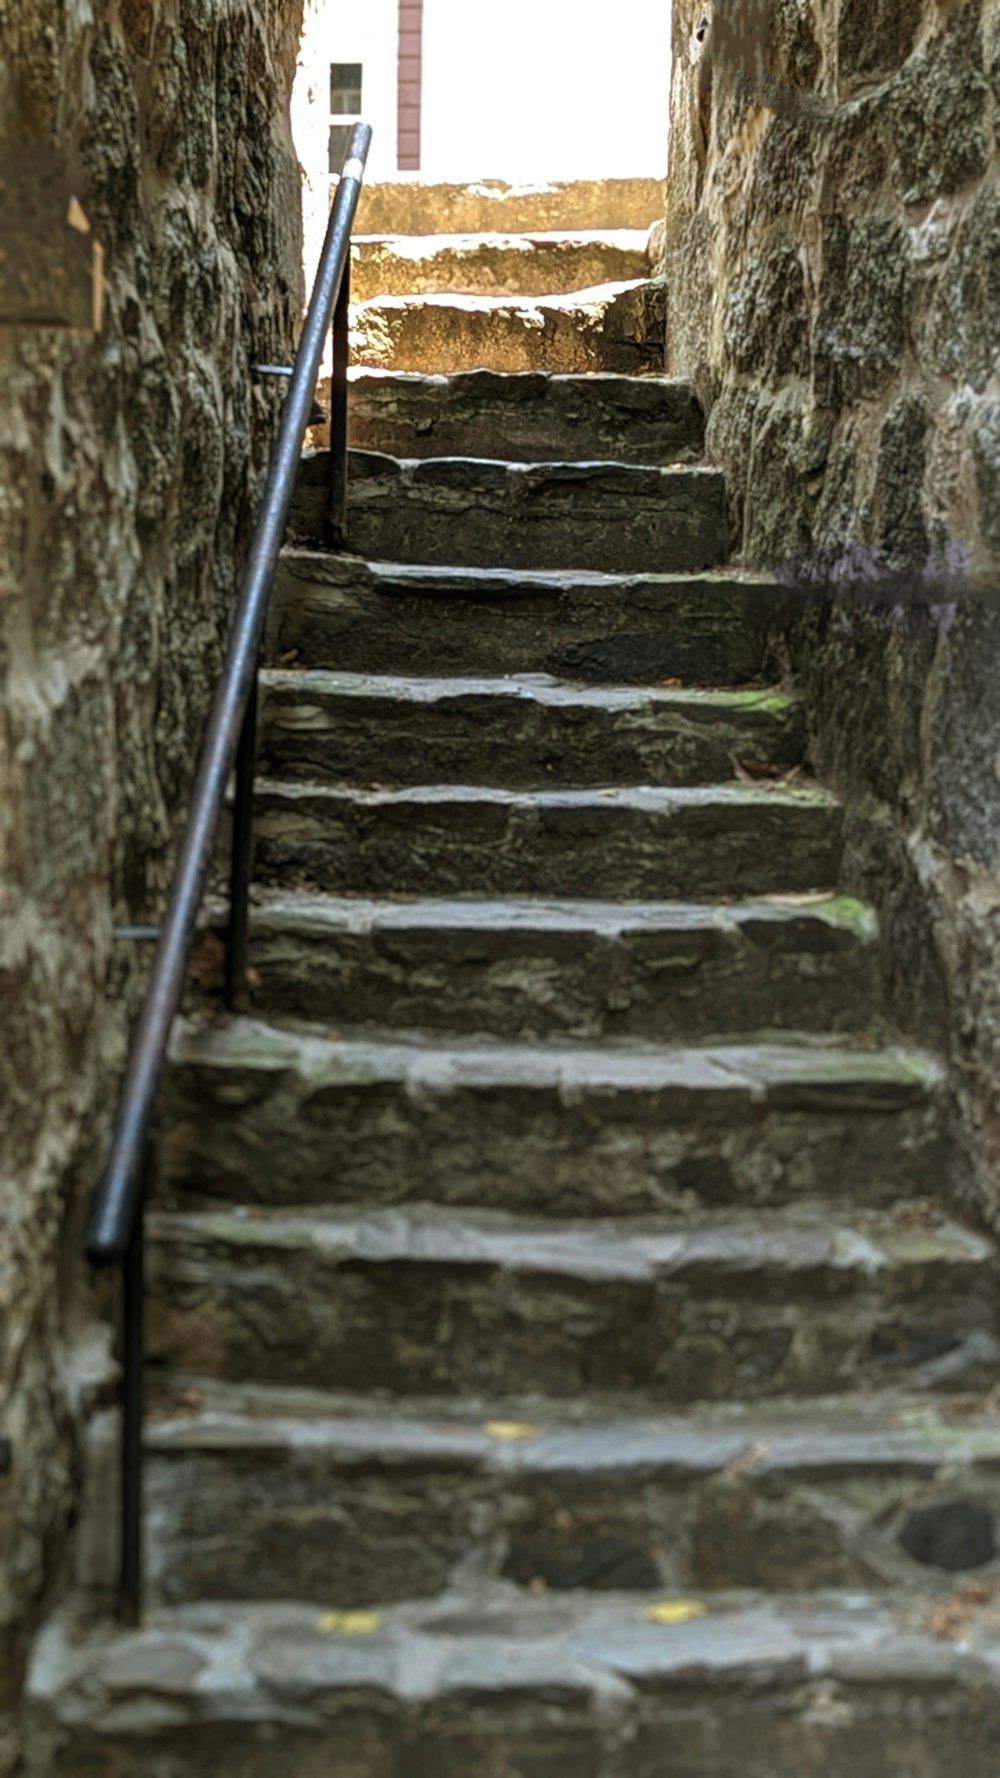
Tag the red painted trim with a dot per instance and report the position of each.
(409, 85)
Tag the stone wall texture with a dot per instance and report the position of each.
(130, 465)
(833, 277)
(833, 245)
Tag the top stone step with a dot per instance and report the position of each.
(413, 207)
(542, 263)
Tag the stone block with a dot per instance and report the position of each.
(631, 843)
(610, 327)
(598, 629)
(517, 732)
(939, 120)
(590, 969)
(420, 1301)
(412, 207)
(545, 264)
(532, 417)
(568, 1129)
(604, 516)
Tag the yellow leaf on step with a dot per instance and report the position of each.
(509, 1429)
(676, 1611)
(350, 1623)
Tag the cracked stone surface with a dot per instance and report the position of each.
(406, 1299)
(523, 731)
(541, 264)
(485, 1681)
(345, 1500)
(264, 1116)
(534, 968)
(641, 842)
(594, 628)
(612, 326)
(411, 207)
(627, 419)
(605, 516)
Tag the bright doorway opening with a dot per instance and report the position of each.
(527, 91)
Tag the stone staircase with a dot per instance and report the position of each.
(565, 1366)
(555, 280)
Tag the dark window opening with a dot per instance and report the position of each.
(345, 101)
(345, 89)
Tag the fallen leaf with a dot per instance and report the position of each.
(668, 684)
(763, 771)
(207, 962)
(963, 1405)
(509, 1429)
(949, 1619)
(676, 1611)
(350, 1623)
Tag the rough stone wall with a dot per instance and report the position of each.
(833, 274)
(833, 246)
(130, 464)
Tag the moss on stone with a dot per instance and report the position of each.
(852, 915)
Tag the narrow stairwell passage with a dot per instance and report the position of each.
(563, 1363)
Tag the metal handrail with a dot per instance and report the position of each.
(115, 1229)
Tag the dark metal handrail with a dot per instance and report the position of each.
(115, 1230)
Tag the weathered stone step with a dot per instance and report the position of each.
(668, 844)
(428, 1299)
(756, 1686)
(415, 207)
(619, 517)
(516, 732)
(537, 417)
(542, 263)
(613, 326)
(594, 628)
(268, 1116)
(524, 968)
(486, 1683)
(348, 1502)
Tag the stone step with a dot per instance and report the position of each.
(252, 1495)
(614, 326)
(542, 263)
(614, 517)
(518, 732)
(268, 1116)
(485, 1683)
(639, 844)
(431, 1300)
(600, 629)
(523, 968)
(538, 417)
(415, 207)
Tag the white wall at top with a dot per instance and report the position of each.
(367, 32)
(513, 89)
(545, 89)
